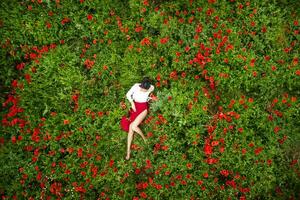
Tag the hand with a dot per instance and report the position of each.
(154, 98)
(133, 107)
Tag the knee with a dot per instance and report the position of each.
(130, 133)
(133, 126)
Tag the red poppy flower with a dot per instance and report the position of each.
(208, 150)
(189, 165)
(209, 12)
(158, 187)
(187, 48)
(200, 182)
(65, 20)
(89, 17)
(79, 152)
(293, 162)
(215, 143)
(224, 172)
(145, 41)
(164, 40)
(80, 189)
(258, 150)
(138, 29)
(173, 75)
(14, 83)
(231, 183)
(48, 25)
(55, 188)
(143, 195)
(28, 78)
(89, 63)
(13, 139)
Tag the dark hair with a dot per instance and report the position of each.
(146, 83)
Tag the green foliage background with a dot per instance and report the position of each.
(250, 50)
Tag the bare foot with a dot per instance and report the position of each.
(127, 157)
(145, 140)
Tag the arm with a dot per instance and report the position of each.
(151, 96)
(129, 94)
(151, 88)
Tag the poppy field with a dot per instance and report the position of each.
(226, 123)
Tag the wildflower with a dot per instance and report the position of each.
(89, 17)
(145, 41)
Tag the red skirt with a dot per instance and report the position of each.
(126, 120)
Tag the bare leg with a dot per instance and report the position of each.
(134, 127)
(129, 140)
(139, 131)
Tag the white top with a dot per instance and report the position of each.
(137, 95)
